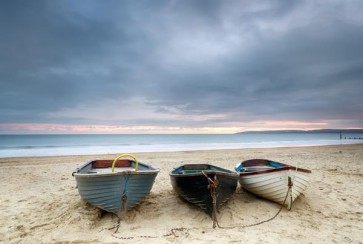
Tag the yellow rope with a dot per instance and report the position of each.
(125, 155)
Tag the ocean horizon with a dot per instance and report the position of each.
(95, 144)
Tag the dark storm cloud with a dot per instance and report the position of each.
(55, 56)
(300, 61)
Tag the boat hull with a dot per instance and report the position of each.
(195, 189)
(105, 190)
(273, 184)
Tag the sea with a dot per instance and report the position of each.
(92, 144)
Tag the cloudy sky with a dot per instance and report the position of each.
(180, 66)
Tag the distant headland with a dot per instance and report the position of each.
(305, 131)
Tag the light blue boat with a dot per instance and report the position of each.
(115, 186)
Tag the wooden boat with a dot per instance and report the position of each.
(115, 186)
(204, 185)
(274, 181)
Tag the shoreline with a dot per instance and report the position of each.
(188, 149)
(40, 202)
(73, 145)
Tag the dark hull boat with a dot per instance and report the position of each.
(274, 181)
(204, 185)
(115, 185)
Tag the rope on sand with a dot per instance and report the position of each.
(213, 184)
(172, 232)
(212, 187)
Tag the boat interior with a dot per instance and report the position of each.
(104, 166)
(260, 165)
(196, 168)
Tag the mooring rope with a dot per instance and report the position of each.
(170, 233)
(290, 183)
(212, 185)
(213, 192)
(122, 211)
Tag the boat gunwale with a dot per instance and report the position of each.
(76, 173)
(213, 171)
(284, 168)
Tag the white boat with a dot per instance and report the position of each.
(274, 181)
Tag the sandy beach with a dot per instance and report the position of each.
(40, 202)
